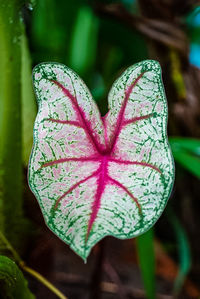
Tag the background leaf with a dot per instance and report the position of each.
(146, 255)
(84, 42)
(28, 100)
(10, 123)
(186, 151)
(184, 253)
(13, 285)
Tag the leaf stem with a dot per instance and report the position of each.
(10, 122)
(29, 270)
(10, 248)
(42, 279)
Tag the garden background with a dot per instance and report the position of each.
(99, 40)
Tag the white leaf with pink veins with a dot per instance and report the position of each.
(95, 176)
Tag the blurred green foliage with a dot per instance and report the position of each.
(185, 259)
(12, 222)
(146, 255)
(72, 34)
(186, 152)
(83, 43)
(13, 285)
(29, 108)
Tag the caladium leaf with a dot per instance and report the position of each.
(95, 176)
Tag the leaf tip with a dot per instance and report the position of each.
(151, 65)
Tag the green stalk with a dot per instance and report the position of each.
(10, 121)
(146, 255)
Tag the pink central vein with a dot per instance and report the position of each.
(80, 112)
(103, 170)
(95, 173)
(122, 111)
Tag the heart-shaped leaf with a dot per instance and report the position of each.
(95, 176)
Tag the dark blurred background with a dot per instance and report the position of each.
(99, 40)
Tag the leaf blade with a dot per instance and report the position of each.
(93, 189)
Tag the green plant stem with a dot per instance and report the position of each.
(42, 279)
(10, 248)
(11, 211)
(146, 255)
(29, 270)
